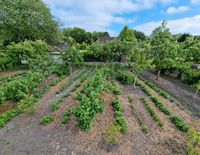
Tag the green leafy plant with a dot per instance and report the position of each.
(54, 106)
(46, 119)
(181, 125)
(152, 112)
(160, 105)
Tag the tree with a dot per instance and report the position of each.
(140, 35)
(71, 57)
(26, 19)
(197, 87)
(164, 48)
(27, 50)
(138, 60)
(127, 35)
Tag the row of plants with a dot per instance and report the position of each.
(56, 104)
(139, 120)
(26, 103)
(6, 79)
(180, 124)
(90, 104)
(152, 112)
(17, 89)
(118, 113)
(154, 87)
(69, 82)
(124, 77)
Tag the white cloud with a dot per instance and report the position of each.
(184, 25)
(180, 9)
(99, 15)
(194, 2)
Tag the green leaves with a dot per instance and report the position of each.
(46, 119)
(179, 123)
(18, 88)
(26, 19)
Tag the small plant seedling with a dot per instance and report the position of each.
(46, 119)
(54, 106)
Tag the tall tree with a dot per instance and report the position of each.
(164, 48)
(26, 19)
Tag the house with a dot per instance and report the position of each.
(56, 51)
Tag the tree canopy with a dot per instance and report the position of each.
(26, 19)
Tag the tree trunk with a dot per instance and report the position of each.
(158, 74)
(135, 80)
(196, 93)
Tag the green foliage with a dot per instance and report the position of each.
(90, 104)
(124, 77)
(127, 35)
(112, 134)
(18, 88)
(54, 106)
(154, 87)
(46, 119)
(118, 115)
(72, 57)
(26, 19)
(146, 91)
(181, 125)
(113, 88)
(193, 146)
(138, 60)
(164, 48)
(152, 112)
(122, 123)
(28, 101)
(160, 105)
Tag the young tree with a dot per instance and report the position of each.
(197, 87)
(138, 60)
(71, 57)
(164, 48)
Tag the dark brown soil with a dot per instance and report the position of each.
(7, 106)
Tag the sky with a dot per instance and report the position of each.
(182, 16)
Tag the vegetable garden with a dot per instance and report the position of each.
(99, 99)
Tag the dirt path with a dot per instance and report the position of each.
(177, 89)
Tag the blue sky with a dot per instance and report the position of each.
(144, 15)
